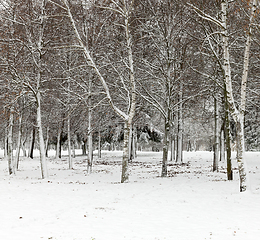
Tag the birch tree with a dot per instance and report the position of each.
(163, 84)
(29, 73)
(237, 113)
(123, 11)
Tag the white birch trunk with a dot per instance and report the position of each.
(238, 114)
(41, 140)
(125, 171)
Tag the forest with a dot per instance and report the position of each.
(130, 75)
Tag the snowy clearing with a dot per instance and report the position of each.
(193, 203)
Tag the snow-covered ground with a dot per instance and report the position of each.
(193, 203)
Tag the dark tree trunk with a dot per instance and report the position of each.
(228, 139)
(32, 143)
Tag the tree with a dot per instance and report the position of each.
(238, 113)
(123, 12)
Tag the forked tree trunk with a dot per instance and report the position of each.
(238, 114)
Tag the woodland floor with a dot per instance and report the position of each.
(193, 203)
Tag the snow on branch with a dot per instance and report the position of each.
(207, 16)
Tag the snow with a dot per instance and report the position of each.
(193, 203)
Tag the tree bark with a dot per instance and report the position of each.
(125, 171)
(228, 139)
(32, 143)
(69, 144)
(58, 142)
(10, 143)
(238, 114)
(41, 140)
(19, 139)
(216, 138)
(47, 142)
(222, 144)
(165, 148)
(179, 155)
(125, 12)
(243, 172)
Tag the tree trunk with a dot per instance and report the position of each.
(69, 144)
(240, 156)
(228, 139)
(238, 114)
(6, 141)
(216, 138)
(125, 172)
(99, 144)
(179, 154)
(84, 147)
(165, 148)
(73, 147)
(47, 142)
(41, 140)
(32, 143)
(222, 144)
(58, 142)
(172, 148)
(10, 143)
(19, 139)
(130, 144)
(90, 144)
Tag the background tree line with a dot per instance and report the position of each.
(130, 74)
